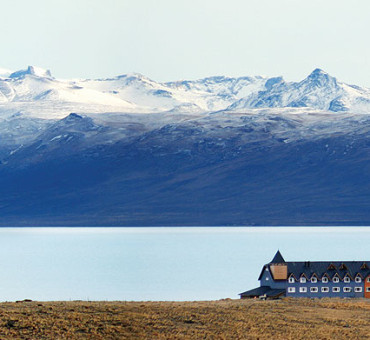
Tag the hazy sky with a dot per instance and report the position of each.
(188, 39)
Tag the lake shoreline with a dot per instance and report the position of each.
(159, 264)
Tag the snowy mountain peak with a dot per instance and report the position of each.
(31, 70)
(318, 72)
(320, 78)
(318, 91)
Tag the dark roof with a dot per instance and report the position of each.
(263, 290)
(263, 270)
(278, 258)
(320, 268)
(331, 268)
(255, 292)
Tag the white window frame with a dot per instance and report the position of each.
(303, 289)
(302, 280)
(347, 279)
(358, 289)
(314, 279)
(347, 289)
(367, 289)
(291, 289)
(358, 279)
(368, 279)
(336, 279)
(314, 290)
(324, 289)
(291, 279)
(335, 290)
(325, 279)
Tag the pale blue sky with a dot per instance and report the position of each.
(188, 39)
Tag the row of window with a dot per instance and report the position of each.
(326, 289)
(326, 280)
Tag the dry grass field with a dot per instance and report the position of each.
(226, 319)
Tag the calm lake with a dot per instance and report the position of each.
(158, 263)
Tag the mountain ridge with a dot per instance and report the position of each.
(128, 151)
(136, 93)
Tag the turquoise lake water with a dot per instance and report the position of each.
(143, 264)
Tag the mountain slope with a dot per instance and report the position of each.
(216, 151)
(247, 170)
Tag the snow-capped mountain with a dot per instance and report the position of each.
(205, 95)
(319, 90)
(216, 151)
(35, 92)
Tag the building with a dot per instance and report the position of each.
(344, 279)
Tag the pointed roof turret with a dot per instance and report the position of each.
(278, 258)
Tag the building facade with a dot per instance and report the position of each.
(344, 279)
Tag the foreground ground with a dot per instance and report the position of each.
(226, 319)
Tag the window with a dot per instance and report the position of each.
(325, 279)
(267, 278)
(358, 289)
(335, 279)
(347, 279)
(291, 279)
(303, 289)
(367, 289)
(358, 279)
(313, 279)
(314, 289)
(368, 279)
(336, 290)
(291, 289)
(324, 289)
(303, 279)
(347, 289)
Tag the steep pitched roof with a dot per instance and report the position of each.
(351, 268)
(321, 268)
(278, 258)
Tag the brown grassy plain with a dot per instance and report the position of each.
(225, 319)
